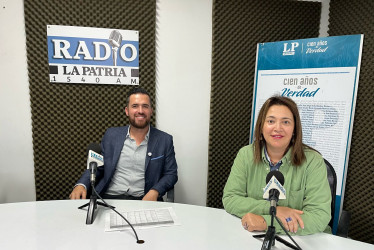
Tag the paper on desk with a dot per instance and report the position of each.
(145, 218)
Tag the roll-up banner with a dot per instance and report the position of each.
(321, 75)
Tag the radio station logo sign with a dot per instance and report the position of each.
(93, 55)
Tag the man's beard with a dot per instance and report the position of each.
(134, 124)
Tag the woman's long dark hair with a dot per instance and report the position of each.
(298, 155)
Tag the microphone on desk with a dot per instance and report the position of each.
(94, 160)
(274, 189)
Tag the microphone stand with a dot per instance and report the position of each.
(270, 236)
(92, 205)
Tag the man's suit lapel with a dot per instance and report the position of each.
(120, 139)
(152, 142)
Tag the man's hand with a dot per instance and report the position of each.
(79, 192)
(152, 195)
(253, 222)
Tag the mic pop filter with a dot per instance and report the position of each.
(94, 147)
(277, 175)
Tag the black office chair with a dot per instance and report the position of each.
(170, 195)
(331, 177)
(343, 224)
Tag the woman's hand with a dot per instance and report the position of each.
(290, 218)
(253, 222)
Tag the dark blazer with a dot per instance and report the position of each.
(160, 164)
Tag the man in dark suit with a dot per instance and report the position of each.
(139, 160)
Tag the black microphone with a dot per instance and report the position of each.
(94, 147)
(94, 160)
(274, 189)
(93, 168)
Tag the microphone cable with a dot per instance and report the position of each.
(111, 207)
(285, 242)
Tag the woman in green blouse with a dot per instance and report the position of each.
(278, 146)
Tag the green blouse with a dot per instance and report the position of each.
(307, 189)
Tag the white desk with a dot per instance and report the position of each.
(61, 225)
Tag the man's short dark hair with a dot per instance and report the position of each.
(137, 90)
